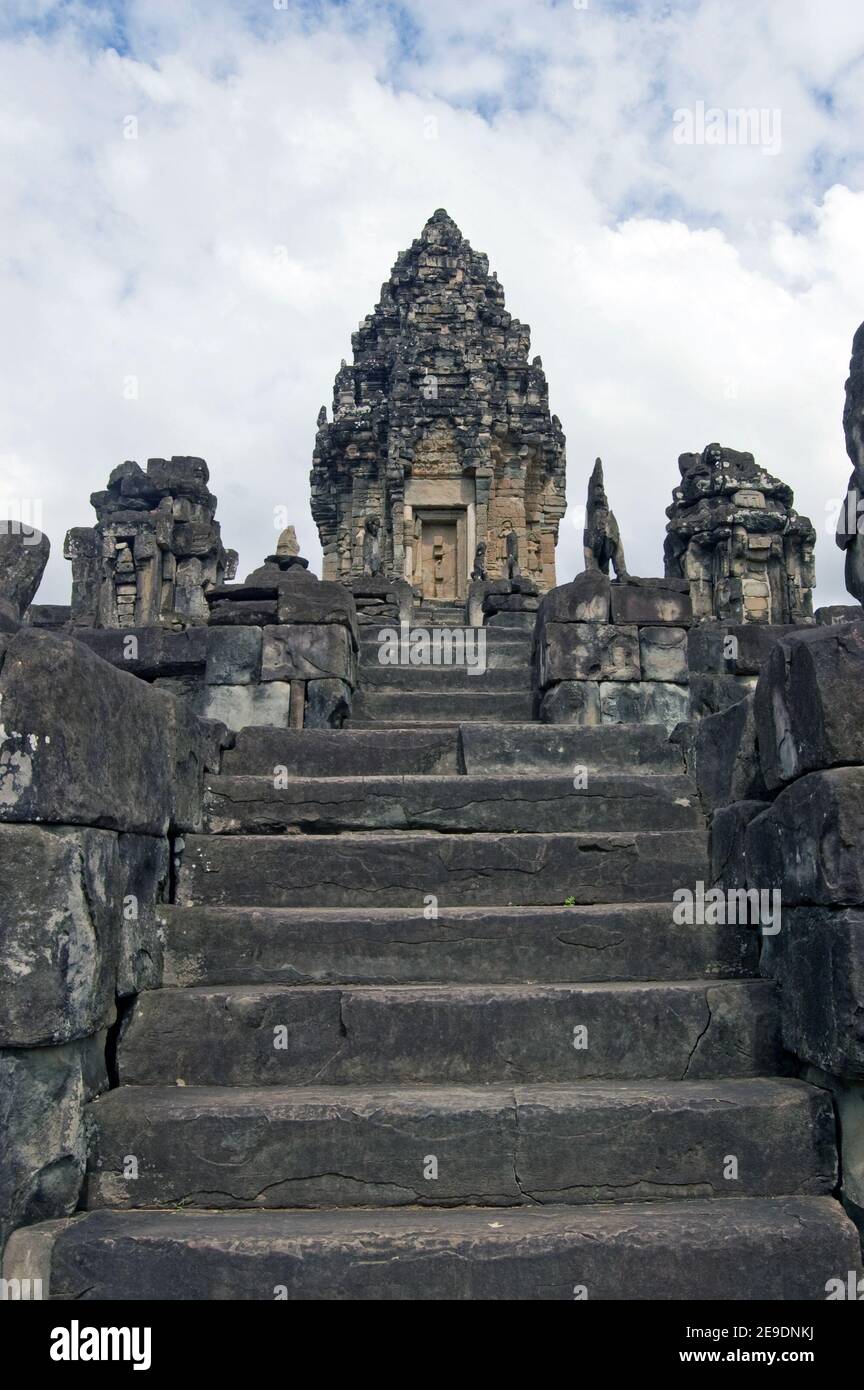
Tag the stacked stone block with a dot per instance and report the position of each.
(155, 549)
(98, 773)
(781, 774)
(610, 652)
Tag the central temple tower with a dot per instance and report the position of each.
(441, 430)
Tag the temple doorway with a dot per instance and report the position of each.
(440, 554)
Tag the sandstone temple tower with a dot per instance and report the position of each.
(441, 430)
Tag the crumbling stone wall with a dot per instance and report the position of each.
(280, 649)
(613, 653)
(155, 549)
(734, 535)
(99, 776)
(781, 774)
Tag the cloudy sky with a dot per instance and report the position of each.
(201, 198)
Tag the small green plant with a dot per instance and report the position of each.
(569, 902)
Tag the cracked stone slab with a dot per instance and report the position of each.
(235, 1147)
(639, 941)
(254, 805)
(401, 869)
(428, 707)
(495, 748)
(464, 1034)
(743, 1248)
(808, 842)
(342, 752)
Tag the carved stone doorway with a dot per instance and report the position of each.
(441, 554)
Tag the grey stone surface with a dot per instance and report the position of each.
(835, 613)
(468, 945)
(243, 706)
(60, 926)
(233, 655)
(82, 742)
(807, 703)
(571, 702)
(427, 707)
(347, 752)
(50, 615)
(585, 600)
(586, 651)
(400, 870)
(536, 747)
(849, 524)
(23, 557)
(43, 1091)
(727, 842)
(328, 703)
(651, 702)
(726, 758)
(714, 694)
(745, 1248)
(651, 601)
(144, 865)
(734, 649)
(817, 962)
(149, 652)
(351, 1146)
(300, 601)
(808, 843)
(663, 653)
(301, 651)
(245, 613)
(459, 1034)
(254, 805)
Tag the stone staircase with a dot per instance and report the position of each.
(428, 1031)
(423, 695)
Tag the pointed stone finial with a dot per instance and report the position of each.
(601, 538)
(287, 543)
(322, 416)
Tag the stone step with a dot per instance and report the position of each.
(433, 706)
(442, 680)
(606, 748)
(348, 1146)
(343, 752)
(449, 748)
(503, 649)
(270, 1035)
(253, 805)
(463, 945)
(778, 1248)
(402, 869)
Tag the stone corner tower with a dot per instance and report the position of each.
(441, 429)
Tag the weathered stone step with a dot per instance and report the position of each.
(253, 945)
(343, 752)
(351, 1146)
(463, 1034)
(403, 868)
(783, 1248)
(541, 803)
(497, 748)
(430, 707)
(439, 750)
(506, 649)
(444, 680)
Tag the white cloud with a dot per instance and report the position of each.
(677, 294)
